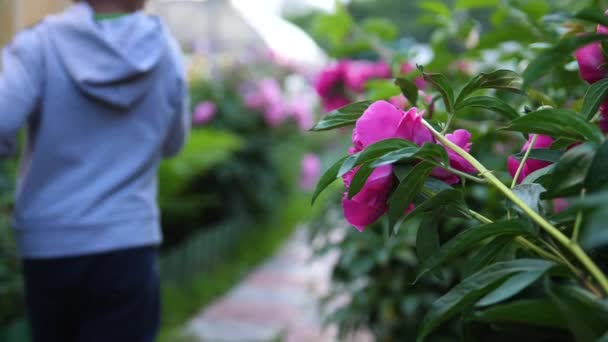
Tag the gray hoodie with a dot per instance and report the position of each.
(103, 102)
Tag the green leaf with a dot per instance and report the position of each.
(487, 254)
(499, 79)
(436, 7)
(585, 315)
(597, 176)
(440, 83)
(530, 194)
(472, 4)
(374, 151)
(406, 191)
(556, 55)
(442, 199)
(344, 116)
(427, 237)
(468, 239)
(511, 287)
(595, 95)
(539, 312)
(592, 14)
(382, 28)
(570, 172)
(328, 177)
(543, 154)
(430, 152)
(594, 233)
(493, 104)
(381, 89)
(409, 89)
(359, 179)
(474, 287)
(558, 123)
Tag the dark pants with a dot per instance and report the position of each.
(103, 297)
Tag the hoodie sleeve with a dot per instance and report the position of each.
(181, 119)
(20, 87)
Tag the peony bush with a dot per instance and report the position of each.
(533, 268)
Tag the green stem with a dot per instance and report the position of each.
(523, 160)
(461, 174)
(520, 240)
(574, 248)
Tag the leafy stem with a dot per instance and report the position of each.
(522, 163)
(562, 239)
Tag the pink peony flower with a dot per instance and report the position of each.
(357, 73)
(369, 204)
(310, 171)
(383, 120)
(560, 204)
(591, 62)
(335, 102)
(268, 98)
(591, 59)
(461, 138)
(302, 114)
(399, 101)
(531, 165)
(406, 68)
(204, 112)
(420, 82)
(330, 80)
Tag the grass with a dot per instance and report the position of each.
(182, 302)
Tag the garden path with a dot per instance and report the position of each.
(279, 301)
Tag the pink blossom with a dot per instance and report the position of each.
(268, 98)
(383, 120)
(461, 138)
(330, 80)
(591, 59)
(399, 101)
(357, 73)
(560, 204)
(406, 68)
(530, 165)
(420, 82)
(310, 171)
(302, 114)
(591, 62)
(204, 112)
(335, 102)
(369, 204)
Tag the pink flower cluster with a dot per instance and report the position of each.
(382, 121)
(592, 67)
(310, 171)
(337, 83)
(204, 112)
(267, 97)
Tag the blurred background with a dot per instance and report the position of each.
(236, 202)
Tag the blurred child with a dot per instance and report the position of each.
(101, 90)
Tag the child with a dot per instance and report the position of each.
(101, 89)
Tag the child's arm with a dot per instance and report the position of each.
(20, 87)
(180, 124)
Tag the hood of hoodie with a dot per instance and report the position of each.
(110, 60)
